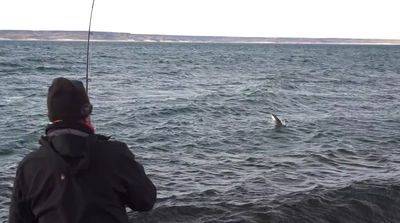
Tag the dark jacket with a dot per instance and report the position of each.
(76, 177)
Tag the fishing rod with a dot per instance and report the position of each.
(87, 49)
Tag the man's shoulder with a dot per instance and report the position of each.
(116, 146)
(109, 149)
(108, 142)
(38, 156)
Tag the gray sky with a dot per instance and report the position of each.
(258, 18)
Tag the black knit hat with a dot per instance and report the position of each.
(67, 100)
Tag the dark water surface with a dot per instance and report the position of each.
(198, 117)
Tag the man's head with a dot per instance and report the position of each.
(67, 100)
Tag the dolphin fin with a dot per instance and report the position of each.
(277, 121)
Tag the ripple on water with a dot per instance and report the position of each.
(201, 125)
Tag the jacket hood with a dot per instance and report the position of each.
(69, 145)
(70, 150)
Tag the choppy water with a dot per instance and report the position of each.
(198, 117)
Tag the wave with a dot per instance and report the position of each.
(365, 201)
(360, 202)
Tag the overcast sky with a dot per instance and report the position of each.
(257, 18)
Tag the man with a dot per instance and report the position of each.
(77, 176)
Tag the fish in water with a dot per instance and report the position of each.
(277, 121)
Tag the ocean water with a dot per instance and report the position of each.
(197, 116)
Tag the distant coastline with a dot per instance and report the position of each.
(30, 35)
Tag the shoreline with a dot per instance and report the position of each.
(204, 42)
(81, 36)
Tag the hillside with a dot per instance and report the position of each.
(127, 37)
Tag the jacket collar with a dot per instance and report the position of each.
(68, 127)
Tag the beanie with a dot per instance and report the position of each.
(67, 100)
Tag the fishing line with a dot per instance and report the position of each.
(87, 49)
